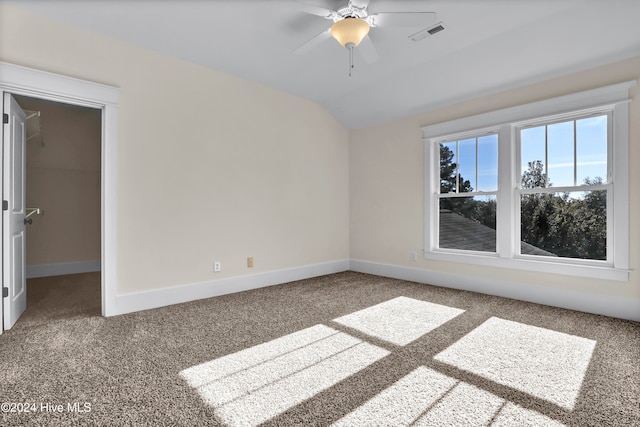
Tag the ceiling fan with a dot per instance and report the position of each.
(351, 26)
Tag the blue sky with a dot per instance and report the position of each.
(590, 158)
(591, 150)
(487, 153)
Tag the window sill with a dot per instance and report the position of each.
(602, 272)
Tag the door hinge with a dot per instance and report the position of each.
(5, 205)
(5, 292)
(5, 118)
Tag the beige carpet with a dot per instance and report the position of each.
(347, 349)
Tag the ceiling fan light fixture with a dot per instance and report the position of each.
(350, 30)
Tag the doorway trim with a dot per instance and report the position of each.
(19, 80)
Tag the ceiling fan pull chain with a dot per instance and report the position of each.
(350, 58)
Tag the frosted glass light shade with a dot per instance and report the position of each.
(350, 30)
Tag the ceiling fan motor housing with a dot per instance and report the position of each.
(351, 12)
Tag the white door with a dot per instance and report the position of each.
(13, 227)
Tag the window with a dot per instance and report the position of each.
(541, 187)
(468, 189)
(564, 186)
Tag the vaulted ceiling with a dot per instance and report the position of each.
(487, 46)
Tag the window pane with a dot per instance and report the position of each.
(448, 167)
(560, 154)
(571, 225)
(532, 154)
(488, 163)
(591, 136)
(467, 165)
(468, 223)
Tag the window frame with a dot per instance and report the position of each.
(439, 196)
(608, 186)
(614, 100)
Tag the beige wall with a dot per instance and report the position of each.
(63, 179)
(211, 167)
(387, 183)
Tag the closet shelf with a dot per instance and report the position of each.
(34, 126)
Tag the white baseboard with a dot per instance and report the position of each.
(621, 308)
(137, 301)
(62, 268)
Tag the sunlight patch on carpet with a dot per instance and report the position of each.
(425, 397)
(515, 415)
(543, 363)
(464, 404)
(403, 402)
(253, 385)
(400, 320)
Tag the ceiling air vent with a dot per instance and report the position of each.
(423, 34)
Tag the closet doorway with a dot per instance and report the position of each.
(18, 80)
(63, 208)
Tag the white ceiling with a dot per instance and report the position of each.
(487, 46)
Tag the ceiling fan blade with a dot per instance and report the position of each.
(315, 41)
(402, 19)
(359, 4)
(368, 50)
(314, 10)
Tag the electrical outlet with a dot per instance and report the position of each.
(414, 256)
(217, 266)
(250, 262)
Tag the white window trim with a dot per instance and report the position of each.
(505, 122)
